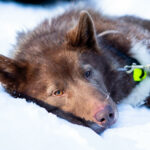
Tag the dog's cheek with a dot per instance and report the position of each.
(59, 102)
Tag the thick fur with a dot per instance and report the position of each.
(57, 55)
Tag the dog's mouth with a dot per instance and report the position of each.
(98, 128)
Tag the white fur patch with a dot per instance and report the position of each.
(139, 93)
(140, 52)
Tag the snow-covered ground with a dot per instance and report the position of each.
(26, 126)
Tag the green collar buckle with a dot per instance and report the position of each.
(140, 72)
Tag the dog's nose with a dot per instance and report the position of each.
(106, 116)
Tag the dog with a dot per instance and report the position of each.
(70, 66)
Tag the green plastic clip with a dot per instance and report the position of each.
(139, 74)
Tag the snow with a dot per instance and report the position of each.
(122, 7)
(27, 126)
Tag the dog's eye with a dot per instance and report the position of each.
(58, 93)
(88, 73)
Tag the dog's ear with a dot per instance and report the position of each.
(83, 34)
(12, 72)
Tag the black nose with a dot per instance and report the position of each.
(106, 116)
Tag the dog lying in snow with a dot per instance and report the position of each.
(70, 66)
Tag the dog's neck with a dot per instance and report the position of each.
(119, 84)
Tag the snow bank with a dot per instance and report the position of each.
(26, 126)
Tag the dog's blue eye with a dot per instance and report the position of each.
(88, 74)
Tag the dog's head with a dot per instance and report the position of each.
(67, 76)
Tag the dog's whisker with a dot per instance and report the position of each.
(107, 96)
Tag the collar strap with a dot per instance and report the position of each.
(130, 68)
(106, 45)
(133, 66)
(140, 72)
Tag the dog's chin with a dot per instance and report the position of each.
(97, 128)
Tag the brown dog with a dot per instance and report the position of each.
(68, 66)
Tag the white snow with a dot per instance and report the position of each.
(26, 126)
(122, 7)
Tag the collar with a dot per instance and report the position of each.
(139, 72)
(107, 46)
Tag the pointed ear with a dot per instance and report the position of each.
(84, 32)
(12, 72)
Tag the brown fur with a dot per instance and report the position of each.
(54, 56)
